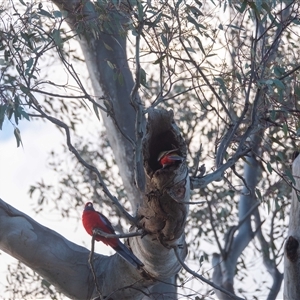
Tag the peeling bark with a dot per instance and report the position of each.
(292, 249)
(164, 211)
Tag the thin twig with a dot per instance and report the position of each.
(110, 112)
(197, 183)
(289, 73)
(97, 231)
(214, 229)
(217, 287)
(242, 179)
(92, 168)
(197, 161)
(201, 73)
(193, 202)
(135, 102)
(235, 228)
(91, 263)
(269, 262)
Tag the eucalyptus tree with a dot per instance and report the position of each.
(228, 70)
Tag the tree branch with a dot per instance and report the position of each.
(104, 49)
(235, 245)
(201, 182)
(88, 166)
(139, 122)
(65, 264)
(91, 263)
(269, 263)
(220, 288)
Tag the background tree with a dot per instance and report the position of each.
(229, 72)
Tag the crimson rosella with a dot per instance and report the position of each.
(170, 157)
(92, 219)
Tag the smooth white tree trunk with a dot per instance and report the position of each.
(292, 249)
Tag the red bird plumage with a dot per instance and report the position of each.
(170, 157)
(92, 219)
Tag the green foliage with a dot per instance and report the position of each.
(250, 83)
(32, 39)
(23, 283)
(22, 46)
(229, 71)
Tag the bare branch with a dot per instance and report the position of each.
(97, 231)
(195, 274)
(214, 230)
(91, 263)
(269, 263)
(197, 183)
(88, 166)
(139, 122)
(235, 228)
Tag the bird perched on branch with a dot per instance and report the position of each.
(92, 219)
(170, 157)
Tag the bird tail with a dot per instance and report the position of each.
(123, 251)
(176, 157)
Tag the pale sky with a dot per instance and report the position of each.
(24, 166)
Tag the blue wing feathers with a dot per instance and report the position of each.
(128, 255)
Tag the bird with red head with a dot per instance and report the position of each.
(169, 158)
(92, 219)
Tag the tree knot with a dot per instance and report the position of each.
(291, 248)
